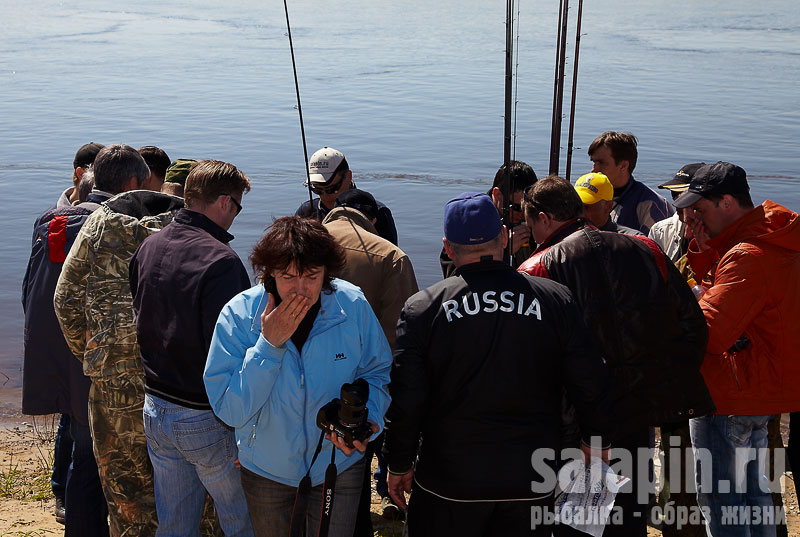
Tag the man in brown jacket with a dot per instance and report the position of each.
(384, 273)
(381, 269)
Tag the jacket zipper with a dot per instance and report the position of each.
(303, 393)
(253, 434)
(732, 360)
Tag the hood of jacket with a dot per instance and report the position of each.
(349, 214)
(131, 216)
(139, 204)
(769, 222)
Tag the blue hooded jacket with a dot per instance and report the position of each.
(271, 395)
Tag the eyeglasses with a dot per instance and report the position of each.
(238, 205)
(515, 207)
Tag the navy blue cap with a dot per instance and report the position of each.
(471, 218)
(714, 180)
(359, 200)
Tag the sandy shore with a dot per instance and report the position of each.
(26, 453)
(26, 501)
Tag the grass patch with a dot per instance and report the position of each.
(24, 486)
(44, 431)
(10, 479)
(31, 482)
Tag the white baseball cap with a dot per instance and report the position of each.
(323, 165)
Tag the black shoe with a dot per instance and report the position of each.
(390, 510)
(60, 512)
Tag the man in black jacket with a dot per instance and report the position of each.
(180, 278)
(643, 317)
(480, 365)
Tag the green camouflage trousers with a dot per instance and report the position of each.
(120, 447)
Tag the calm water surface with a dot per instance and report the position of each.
(412, 93)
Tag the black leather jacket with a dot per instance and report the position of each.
(642, 315)
(480, 365)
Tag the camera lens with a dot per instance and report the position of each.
(352, 411)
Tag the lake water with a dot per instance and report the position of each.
(411, 92)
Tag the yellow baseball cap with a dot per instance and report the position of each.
(593, 187)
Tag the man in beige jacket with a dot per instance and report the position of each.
(381, 269)
(385, 275)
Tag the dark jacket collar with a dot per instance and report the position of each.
(558, 235)
(195, 219)
(620, 192)
(482, 266)
(98, 196)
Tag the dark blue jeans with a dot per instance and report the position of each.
(62, 457)
(87, 513)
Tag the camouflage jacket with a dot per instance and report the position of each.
(93, 300)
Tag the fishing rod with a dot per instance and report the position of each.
(299, 106)
(507, 125)
(574, 90)
(558, 87)
(516, 88)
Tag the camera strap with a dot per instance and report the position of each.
(304, 491)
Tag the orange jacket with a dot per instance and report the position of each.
(755, 292)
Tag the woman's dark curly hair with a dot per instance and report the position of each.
(302, 241)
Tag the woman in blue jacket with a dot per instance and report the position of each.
(282, 350)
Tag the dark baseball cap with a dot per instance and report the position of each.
(359, 200)
(714, 180)
(86, 155)
(471, 218)
(178, 171)
(682, 179)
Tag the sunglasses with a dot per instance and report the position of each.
(238, 205)
(330, 189)
(526, 195)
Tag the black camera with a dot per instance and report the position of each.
(347, 417)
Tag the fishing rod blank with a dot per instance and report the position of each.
(558, 90)
(574, 90)
(516, 89)
(507, 123)
(299, 106)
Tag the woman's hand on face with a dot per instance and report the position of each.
(278, 324)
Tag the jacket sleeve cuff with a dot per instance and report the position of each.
(400, 470)
(266, 349)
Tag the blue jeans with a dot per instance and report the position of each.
(730, 472)
(271, 503)
(193, 452)
(87, 512)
